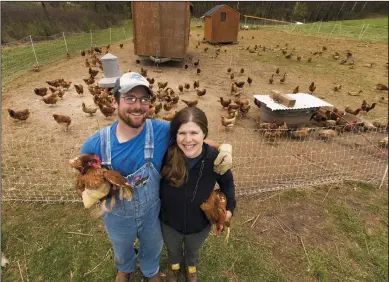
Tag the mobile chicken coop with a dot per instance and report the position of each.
(297, 114)
(221, 24)
(161, 29)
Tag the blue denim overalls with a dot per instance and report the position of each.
(137, 217)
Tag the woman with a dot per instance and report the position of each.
(187, 181)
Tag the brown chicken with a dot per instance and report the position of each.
(353, 112)
(366, 107)
(167, 106)
(228, 122)
(181, 88)
(229, 70)
(40, 91)
(88, 110)
(296, 90)
(225, 103)
(198, 71)
(94, 177)
(249, 80)
(312, 87)
(196, 64)
(93, 73)
(196, 84)
(162, 85)
(121, 45)
(83, 53)
(54, 83)
(309, 59)
(242, 70)
(63, 120)
(277, 70)
(169, 117)
(215, 209)
(201, 92)
(19, 115)
(240, 84)
(89, 80)
(380, 86)
(158, 108)
(106, 110)
(143, 72)
(51, 99)
(192, 103)
(187, 86)
(79, 88)
(300, 133)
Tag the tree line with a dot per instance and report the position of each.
(20, 19)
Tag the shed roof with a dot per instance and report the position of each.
(214, 9)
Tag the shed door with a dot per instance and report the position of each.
(146, 21)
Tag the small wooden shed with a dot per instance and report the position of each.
(161, 29)
(221, 24)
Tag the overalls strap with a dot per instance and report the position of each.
(105, 147)
(149, 144)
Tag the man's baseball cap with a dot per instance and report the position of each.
(128, 81)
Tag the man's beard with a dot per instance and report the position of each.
(128, 121)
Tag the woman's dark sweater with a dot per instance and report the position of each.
(180, 206)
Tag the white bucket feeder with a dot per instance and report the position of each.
(111, 71)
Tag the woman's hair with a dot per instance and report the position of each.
(174, 168)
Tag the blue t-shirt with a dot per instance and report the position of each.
(128, 157)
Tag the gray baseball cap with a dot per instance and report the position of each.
(129, 80)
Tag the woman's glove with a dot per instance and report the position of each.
(223, 161)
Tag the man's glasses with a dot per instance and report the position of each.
(132, 100)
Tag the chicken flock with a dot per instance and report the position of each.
(234, 104)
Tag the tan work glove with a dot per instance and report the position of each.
(223, 161)
(90, 197)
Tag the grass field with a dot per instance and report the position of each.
(344, 235)
(376, 29)
(19, 59)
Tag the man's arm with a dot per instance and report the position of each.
(212, 143)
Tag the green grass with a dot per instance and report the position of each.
(36, 236)
(17, 60)
(346, 241)
(351, 29)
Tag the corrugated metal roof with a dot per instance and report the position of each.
(214, 9)
(303, 101)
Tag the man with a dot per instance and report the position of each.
(135, 146)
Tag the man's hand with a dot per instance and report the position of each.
(223, 161)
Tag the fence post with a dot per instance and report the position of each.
(383, 178)
(33, 49)
(311, 29)
(340, 27)
(91, 40)
(110, 35)
(66, 45)
(361, 31)
(360, 37)
(318, 31)
(333, 30)
(124, 32)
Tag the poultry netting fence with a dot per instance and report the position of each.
(35, 166)
(21, 56)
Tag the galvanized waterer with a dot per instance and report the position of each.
(111, 70)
